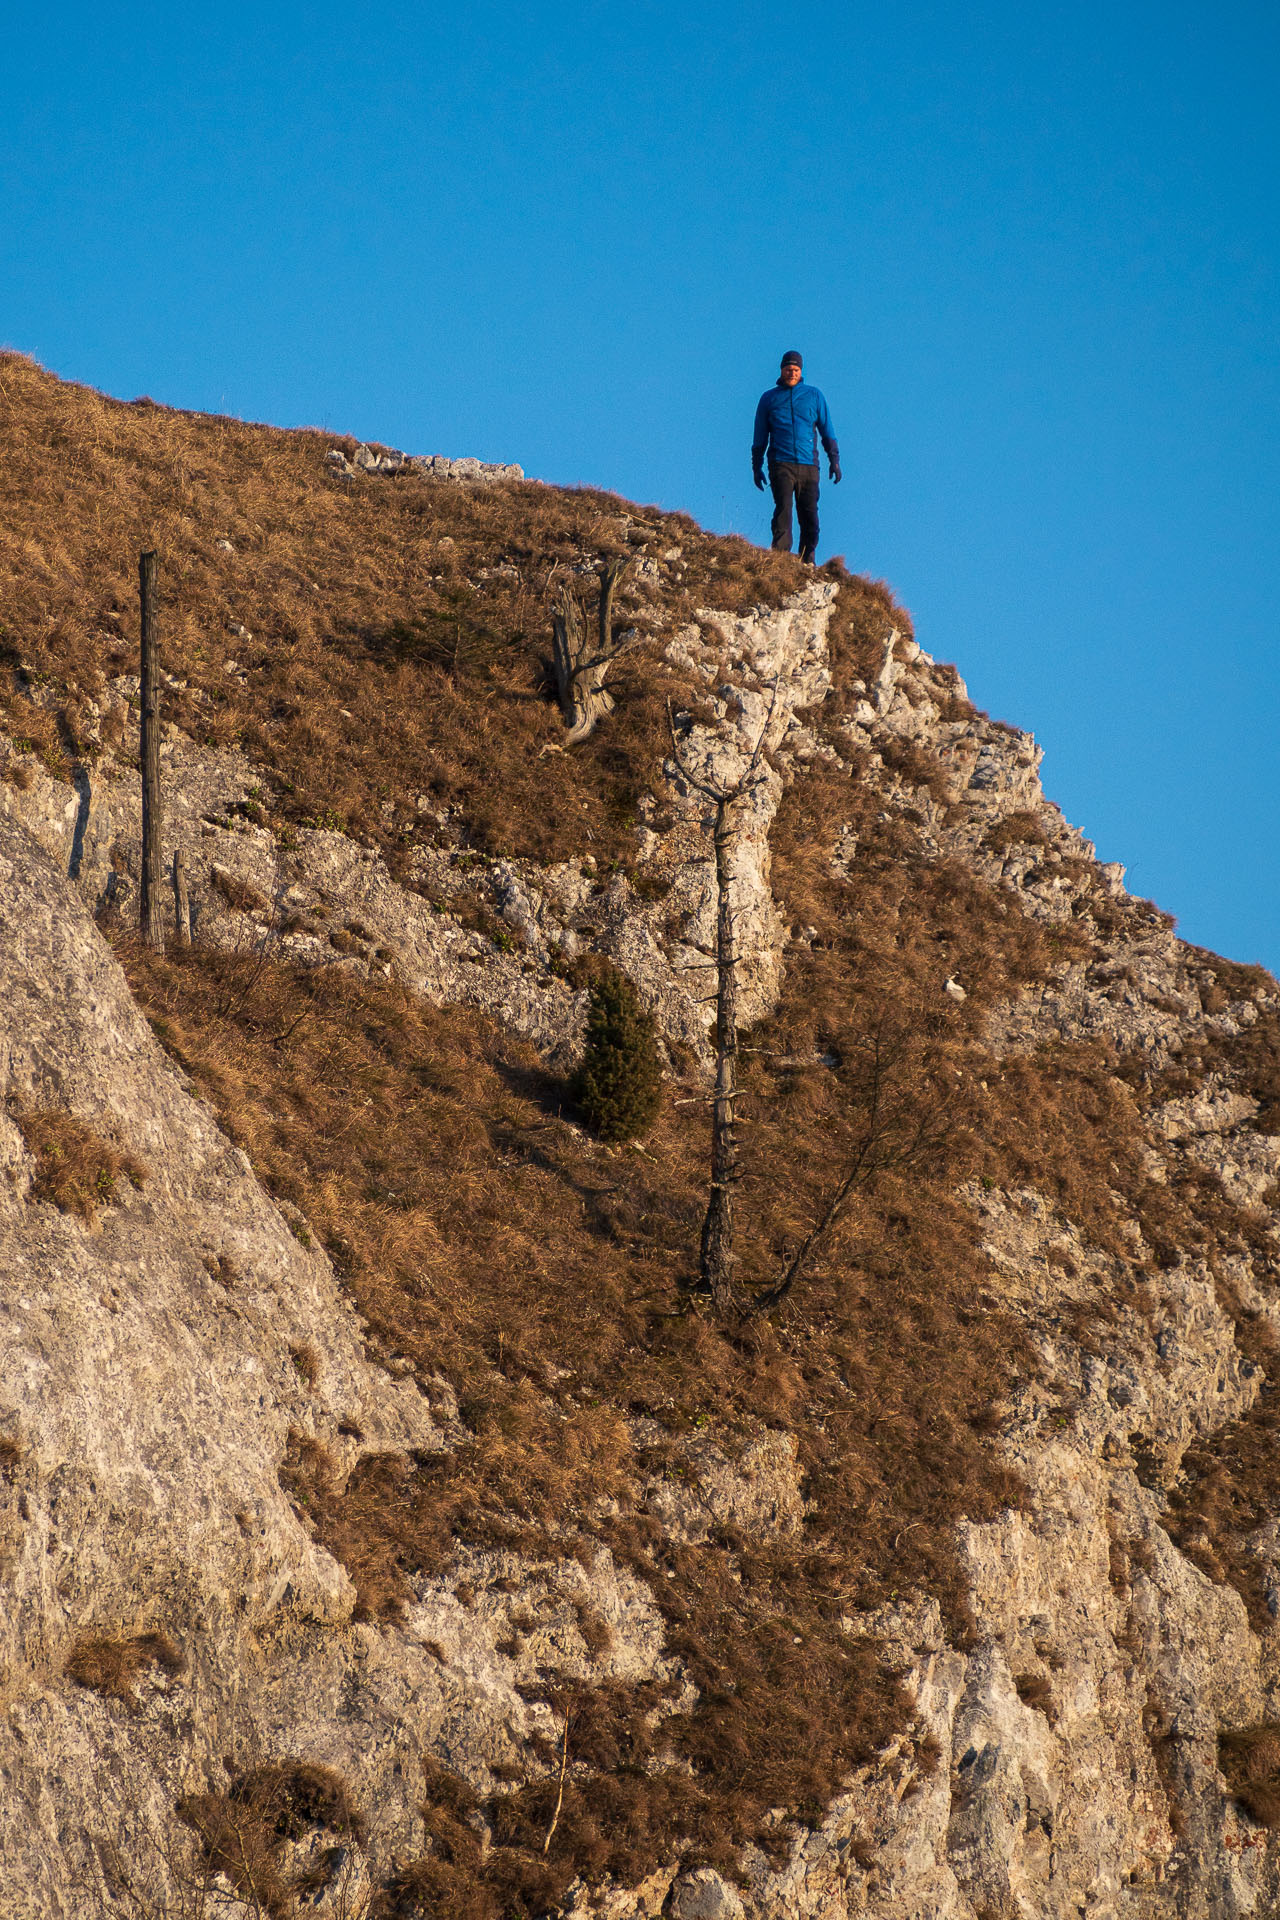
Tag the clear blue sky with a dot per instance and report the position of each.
(1029, 253)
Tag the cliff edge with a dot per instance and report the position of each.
(388, 1525)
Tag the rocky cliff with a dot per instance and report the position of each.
(388, 1526)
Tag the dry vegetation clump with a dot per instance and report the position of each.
(487, 1240)
(1234, 979)
(243, 1832)
(1251, 1060)
(306, 1363)
(865, 613)
(1018, 829)
(418, 597)
(916, 767)
(1250, 1762)
(1248, 1060)
(1226, 1487)
(113, 1665)
(1036, 1690)
(636, 1781)
(76, 1169)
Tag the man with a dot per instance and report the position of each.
(789, 421)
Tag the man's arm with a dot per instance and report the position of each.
(760, 440)
(828, 438)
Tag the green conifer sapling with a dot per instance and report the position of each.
(618, 1085)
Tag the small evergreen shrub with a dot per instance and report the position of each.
(618, 1085)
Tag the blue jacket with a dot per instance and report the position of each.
(789, 421)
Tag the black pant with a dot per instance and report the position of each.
(787, 479)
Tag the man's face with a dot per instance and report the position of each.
(791, 374)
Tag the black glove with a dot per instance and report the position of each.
(834, 470)
(757, 474)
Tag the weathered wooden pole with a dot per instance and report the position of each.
(181, 900)
(717, 1253)
(152, 919)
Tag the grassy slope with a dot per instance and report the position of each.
(364, 602)
(486, 1238)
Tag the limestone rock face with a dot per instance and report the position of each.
(703, 1895)
(248, 889)
(148, 1389)
(158, 1363)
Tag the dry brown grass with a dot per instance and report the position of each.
(1248, 1060)
(307, 1364)
(1036, 1690)
(1019, 829)
(76, 1169)
(1250, 1761)
(541, 1273)
(1226, 1486)
(363, 598)
(1226, 1491)
(113, 1665)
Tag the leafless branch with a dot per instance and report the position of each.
(882, 1146)
(564, 1762)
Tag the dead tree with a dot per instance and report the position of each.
(581, 663)
(716, 1252)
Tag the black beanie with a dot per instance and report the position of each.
(793, 359)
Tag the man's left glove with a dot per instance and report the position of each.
(757, 474)
(834, 470)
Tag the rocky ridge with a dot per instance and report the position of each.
(388, 462)
(152, 1389)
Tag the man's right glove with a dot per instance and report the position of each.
(834, 470)
(757, 474)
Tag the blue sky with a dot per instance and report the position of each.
(1031, 256)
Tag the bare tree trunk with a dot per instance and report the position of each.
(582, 668)
(716, 1255)
(717, 1251)
(152, 817)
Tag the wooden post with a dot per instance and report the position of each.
(152, 919)
(181, 900)
(717, 1255)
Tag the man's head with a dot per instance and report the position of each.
(792, 369)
